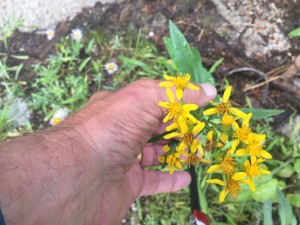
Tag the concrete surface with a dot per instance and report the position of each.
(43, 14)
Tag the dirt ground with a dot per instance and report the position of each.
(250, 35)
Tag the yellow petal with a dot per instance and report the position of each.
(179, 93)
(167, 118)
(187, 77)
(262, 171)
(178, 165)
(181, 146)
(259, 137)
(200, 149)
(239, 176)
(235, 125)
(166, 84)
(170, 95)
(182, 125)
(164, 104)
(172, 135)
(193, 87)
(168, 77)
(223, 195)
(216, 181)
(213, 168)
(265, 154)
(210, 111)
(233, 147)
(246, 121)
(171, 169)
(241, 152)
(226, 94)
(238, 113)
(198, 127)
(251, 185)
(190, 107)
(194, 146)
(172, 127)
(210, 135)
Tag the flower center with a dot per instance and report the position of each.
(233, 187)
(56, 121)
(180, 82)
(228, 166)
(188, 138)
(254, 149)
(111, 67)
(192, 159)
(223, 108)
(252, 170)
(171, 160)
(175, 109)
(242, 134)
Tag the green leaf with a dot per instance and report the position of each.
(182, 51)
(294, 199)
(285, 209)
(286, 171)
(185, 58)
(265, 191)
(258, 114)
(84, 63)
(215, 66)
(297, 166)
(159, 137)
(295, 33)
(200, 73)
(169, 47)
(267, 211)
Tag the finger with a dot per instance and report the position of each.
(155, 94)
(160, 182)
(150, 155)
(98, 96)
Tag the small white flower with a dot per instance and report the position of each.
(111, 67)
(76, 34)
(50, 34)
(59, 116)
(151, 34)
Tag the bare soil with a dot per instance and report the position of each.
(198, 21)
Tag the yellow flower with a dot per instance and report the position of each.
(241, 134)
(188, 137)
(227, 120)
(211, 142)
(227, 166)
(224, 106)
(253, 170)
(255, 147)
(232, 185)
(192, 159)
(179, 82)
(173, 160)
(177, 109)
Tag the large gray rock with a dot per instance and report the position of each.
(43, 14)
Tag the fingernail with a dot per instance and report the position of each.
(209, 90)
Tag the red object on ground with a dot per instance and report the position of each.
(200, 217)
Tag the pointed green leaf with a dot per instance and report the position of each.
(258, 114)
(267, 211)
(295, 33)
(294, 199)
(284, 208)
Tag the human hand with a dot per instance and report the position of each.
(102, 176)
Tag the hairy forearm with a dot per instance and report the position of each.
(41, 170)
